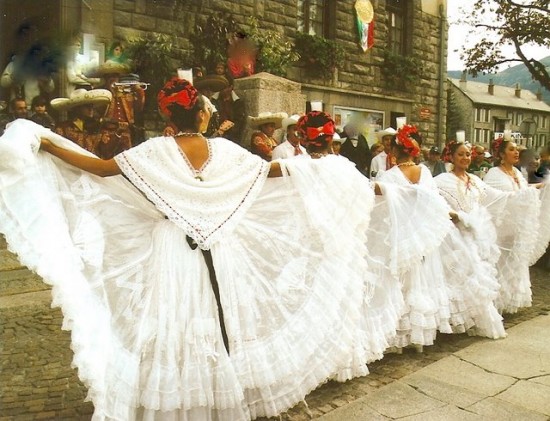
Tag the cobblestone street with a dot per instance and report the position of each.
(37, 382)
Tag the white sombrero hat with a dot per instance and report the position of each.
(81, 97)
(289, 121)
(264, 118)
(389, 131)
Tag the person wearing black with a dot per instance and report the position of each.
(356, 148)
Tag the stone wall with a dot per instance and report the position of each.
(358, 82)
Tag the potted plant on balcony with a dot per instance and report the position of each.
(401, 71)
(319, 56)
(275, 52)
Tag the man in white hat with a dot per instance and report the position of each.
(291, 147)
(83, 125)
(383, 161)
(262, 141)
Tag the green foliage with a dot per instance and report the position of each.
(275, 53)
(210, 40)
(155, 58)
(319, 55)
(501, 26)
(401, 71)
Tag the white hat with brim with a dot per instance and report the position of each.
(264, 118)
(290, 121)
(82, 97)
(389, 131)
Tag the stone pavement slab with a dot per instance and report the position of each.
(389, 401)
(447, 413)
(542, 380)
(500, 380)
(523, 354)
(463, 374)
(498, 410)
(441, 390)
(530, 395)
(359, 411)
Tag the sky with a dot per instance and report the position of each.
(458, 34)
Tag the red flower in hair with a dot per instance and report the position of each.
(447, 155)
(409, 144)
(496, 145)
(176, 92)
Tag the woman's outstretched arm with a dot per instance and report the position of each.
(103, 168)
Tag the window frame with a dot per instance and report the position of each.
(328, 19)
(401, 8)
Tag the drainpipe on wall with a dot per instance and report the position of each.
(442, 73)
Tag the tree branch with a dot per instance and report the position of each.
(527, 6)
(539, 72)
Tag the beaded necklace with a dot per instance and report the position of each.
(317, 155)
(188, 134)
(406, 164)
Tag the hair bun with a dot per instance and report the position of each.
(176, 92)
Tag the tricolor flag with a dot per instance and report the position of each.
(365, 23)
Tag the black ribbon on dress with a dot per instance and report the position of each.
(207, 255)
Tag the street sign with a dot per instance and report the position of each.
(425, 113)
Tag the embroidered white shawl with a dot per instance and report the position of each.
(204, 207)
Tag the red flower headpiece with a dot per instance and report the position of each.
(497, 143)
(316, 126)
(176, 92)
(447, 154)
(473, 153)
(409, 144)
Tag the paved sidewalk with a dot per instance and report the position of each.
(507, 379)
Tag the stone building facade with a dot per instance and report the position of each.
(368, 86)
(484, 111)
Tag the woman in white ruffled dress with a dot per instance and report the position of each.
(382, 311)
(471, 250)
(195, 287)
(415, 232)
(523, 230)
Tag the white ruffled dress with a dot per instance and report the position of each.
(406, 235)
(523, 233)
(470, 254)
(289, 255)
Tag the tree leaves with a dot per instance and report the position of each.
(506, 23)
